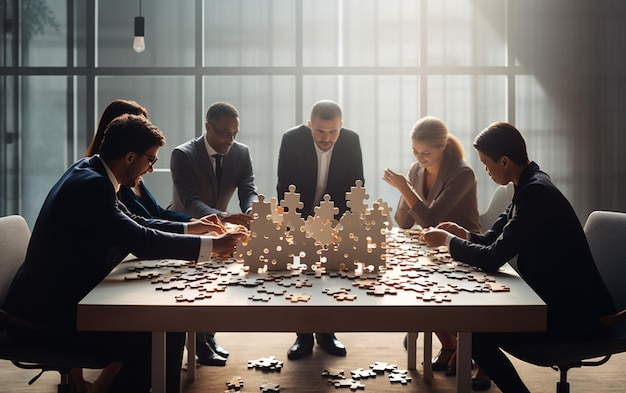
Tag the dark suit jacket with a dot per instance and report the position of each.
(80, 235)
(553, 256)
(195, 185)
(146, 206)
(297, 165)
(451, 198)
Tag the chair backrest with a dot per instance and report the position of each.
(14, 238)
(606, 234)
(500, 200)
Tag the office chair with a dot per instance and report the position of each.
(605, 234)
(500, 200)
(14, 238)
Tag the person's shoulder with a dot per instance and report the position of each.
(297, 130)
(239, 147)
(348, 133)
(190, 144)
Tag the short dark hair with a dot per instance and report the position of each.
(220, 109)
(128, 133)
(502, 139)
(114, 109)
(325, 110)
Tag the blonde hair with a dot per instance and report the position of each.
(434, 131)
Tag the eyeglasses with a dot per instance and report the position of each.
(223, 133)
(151, 160)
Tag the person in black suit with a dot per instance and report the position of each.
(138, 200)
(319, 158)
(81, 234)
(553, 256)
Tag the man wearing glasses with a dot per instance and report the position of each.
(206, 171)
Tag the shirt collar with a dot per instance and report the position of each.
(321, 152)
(112, 178)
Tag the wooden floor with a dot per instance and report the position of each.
(305, 375)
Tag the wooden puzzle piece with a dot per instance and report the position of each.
(366, 283)
(271, 291)
(495, 287)
(326, 208)
(355, 198)
(333, 373)
(436, 297)
(381, 367)
(362, 373)
(399, 377)
(472, 286)
(381, 290)
(259, 298)
(269, 363)
(446, 288)
(179, 286)
(300, 297)
(291, 205)
(270, 388)
(344, 296)
(347, 383)
(332, 292)
(191, 296)
(235, 383)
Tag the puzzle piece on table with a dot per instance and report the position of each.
(344, 296)
(332, 292)
(367, 283)
(436, 297)
(471, 286)
(163, 279)
(250, 282)
(192, 296)
(269, 363)
(362, 373)
(414, 288)
(355, 198)
(300, 297)
(333, 373)
(179, 286)
(381, 290)
(480, 277)
(235, 383)
(495, 287)
(399, 376)
(347, 383)
(271, 291)
(211, 288)
(143, 276)
(456, 276)
(270, 388)
(262, 298)
(381, 367)
(446, 288)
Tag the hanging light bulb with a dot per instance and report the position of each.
(139, 43)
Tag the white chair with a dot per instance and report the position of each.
(14, 238)
(500, 200)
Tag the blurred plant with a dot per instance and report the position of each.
(35, 16)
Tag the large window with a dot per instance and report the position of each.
(387, 63)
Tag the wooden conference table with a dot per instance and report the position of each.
(432, 293)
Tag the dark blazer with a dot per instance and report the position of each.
(195, 185)
(297, 165)
(451, 198)
(147, 206)
(553, 256)
(80, 235)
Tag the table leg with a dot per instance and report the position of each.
(411, 350)
(191, 356)
(428, 356)
(464, 362)
(158, 362)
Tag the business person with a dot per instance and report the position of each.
(553, 256)
(440, 186)
(319, 158)
(81, 234)
(138, 200)
(206, 172)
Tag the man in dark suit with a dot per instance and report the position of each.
(81, 234)
(206, 171)
(319, 158)
(553, 257)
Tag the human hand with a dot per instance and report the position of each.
(454, 229)
(226, 245)
(434, 237)
(394, 179)
(208, 224)
(238, 219)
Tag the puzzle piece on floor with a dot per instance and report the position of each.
(269, 363)
(381, 367)
(347, 383)
(259, 298)
(235, 383)
(382, 290)
(399, 376)
(270, 388)
(298, 297)
(333, 373)
(362, 373)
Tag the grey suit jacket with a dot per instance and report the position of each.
(451, 198)
(195, 185)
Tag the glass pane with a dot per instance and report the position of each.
(43, 33)
(169, 33)
(249, 33)
(464, 33)
(266, 106)
(44, 139)
(320, 33)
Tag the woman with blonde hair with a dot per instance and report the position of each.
(440, 186)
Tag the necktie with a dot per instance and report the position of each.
(218, 169)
